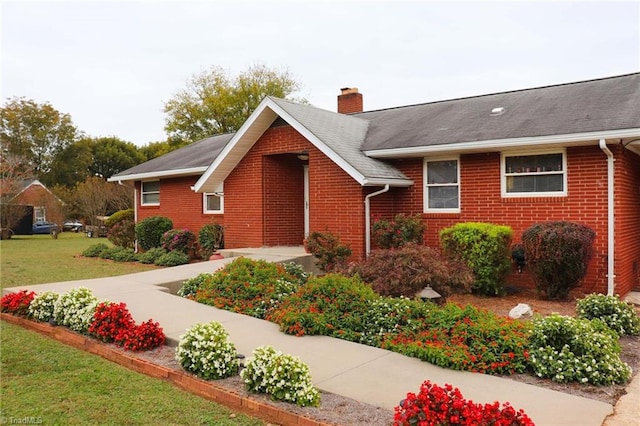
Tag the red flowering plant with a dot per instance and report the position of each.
(17, 303)
(144, 337)
(468, 339)
(445, 406)
(111, 322)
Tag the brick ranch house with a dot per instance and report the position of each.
(41, 203)
(563, 152)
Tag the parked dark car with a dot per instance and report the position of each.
(43, 227)
(72, 225)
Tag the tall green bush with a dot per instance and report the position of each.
(485, 248)
(121, 226)
(149, 231)
(557, 256)
(210, 239)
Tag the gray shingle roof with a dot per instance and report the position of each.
(588, 106)
(344, 135)
(196, 155)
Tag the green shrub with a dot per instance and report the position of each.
(297, 271)
(284, 377)
(121, 226)
(618, 315)
(41, 307)
(150, 256)
(119, 254)
(385, 316)
(95, 250)
(465, 338)
(75, 309)
(251, 287)
(210, 239)
(557, 255)
(149, 231)
(485, 248)
(330, 254)
(407, 270)
(206, 351)
(191, 286)
(324, 306)
(173, 258)
(181, 240)
(567, 349)
(399, 231)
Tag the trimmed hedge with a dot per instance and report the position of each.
(149, 231)
(485, 248)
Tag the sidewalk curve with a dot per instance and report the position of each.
(364, 373)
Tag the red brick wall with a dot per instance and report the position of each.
(481, 201)
(38, 196)
(283, 181)
(272, 176)
(627, 230)
(180, 204)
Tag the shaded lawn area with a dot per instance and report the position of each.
(47, 380)
(39, 259)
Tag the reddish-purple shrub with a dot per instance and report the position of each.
(557, 255)
(407, 270)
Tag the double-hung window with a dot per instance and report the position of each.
(543, 174)
(213, 202)
(150, 193)
(442, 185)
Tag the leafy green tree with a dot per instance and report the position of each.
(215, 102)
(112, 155)
(157, 149)
(71, 165)
(36, 132)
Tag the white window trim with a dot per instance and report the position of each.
(218, 193)
(143, 193)
(503, 174)
(425, 189)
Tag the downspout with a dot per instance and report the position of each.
(367, 218)
(610, 218)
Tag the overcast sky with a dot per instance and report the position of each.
(112, 65)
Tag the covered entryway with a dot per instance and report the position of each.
(285, 206)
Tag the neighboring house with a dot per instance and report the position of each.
(45, 205)
(565, 152)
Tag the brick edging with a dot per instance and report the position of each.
(203, 388)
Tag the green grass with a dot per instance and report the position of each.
(44, 379)
(38, 259)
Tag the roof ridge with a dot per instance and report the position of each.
(498, 93)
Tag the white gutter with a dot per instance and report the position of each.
(610, 218)
(159, 174)
(367, 218)
(570, 139)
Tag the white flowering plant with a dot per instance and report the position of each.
(75, 309)
(206, 351)
(283, 377)
(41, 307)
(618, 315)
(567, 349)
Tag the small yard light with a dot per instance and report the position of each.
(430, 295)
(240, 362)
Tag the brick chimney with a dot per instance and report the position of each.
(349, 100)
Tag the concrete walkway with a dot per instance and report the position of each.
(374, 376)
